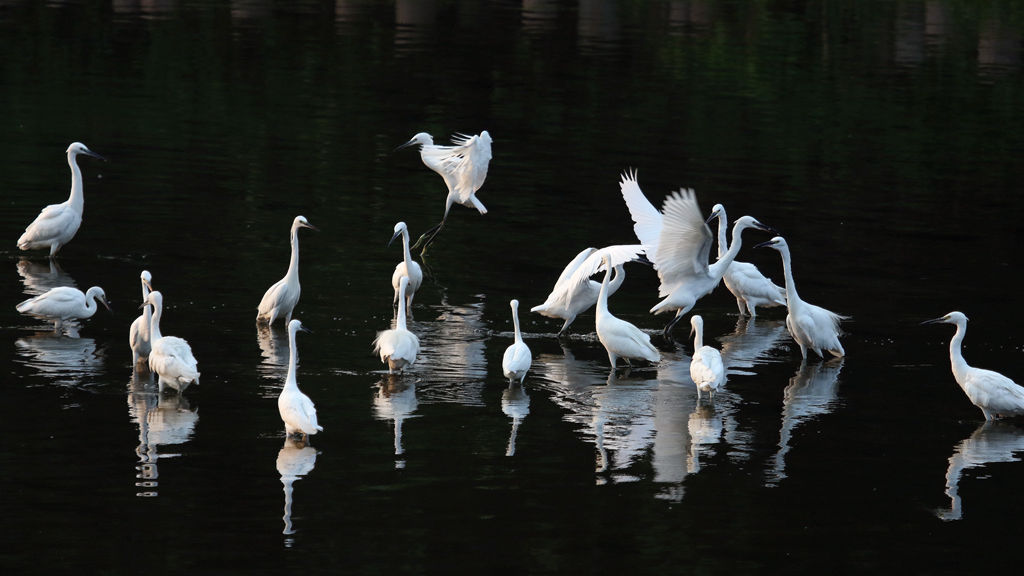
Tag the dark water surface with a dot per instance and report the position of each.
(883, 139)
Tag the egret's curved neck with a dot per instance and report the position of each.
(602, 297)
(787, 270)
(698, 337)
(154, 322)
(400, 324)
(293, 359)
(722, 264)
(77, 198)
(405, 249)
(723, 223)
(956, 357)
(618, 279)
(515, 322)
(293, 264)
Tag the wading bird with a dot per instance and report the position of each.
(281, 298)
(620, 338)
(811, 326)
(706, 367)
(750, 287)
(170, 357)
(138, 334)
(398, 346)
(64, 303)
(407, 267)
(995, 394)
(297, 410)
(57, 224)
(517, 359)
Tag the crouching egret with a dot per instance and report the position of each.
(620, 338)
(995, 394)
(407, 267)
(706, 367)
(463, 165)
(297, 410)
(750, 287)
(811, 326)
(517, 359)
(138, 334)
(170, 357)
(57, 224)
(281, 298)
(398, 346)
(64, 303)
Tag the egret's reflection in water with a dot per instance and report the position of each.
(273, 365)
(163, 420)
(395, 401)
(752, 343)
(62, 360)
(515, 403)
(41, 277)
(452, 359)
(295, 460)
(993, 441)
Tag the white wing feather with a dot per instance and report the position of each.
(684, 243)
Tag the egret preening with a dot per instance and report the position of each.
(517, 359)
(706, 367)
(297, 410)
(407, 267)
(750, 287)
(620, 338)
(995, 394)
(64, 303)
(398, 346)
(811, 326)
(57, 224)
(138, 334)
(463, 167)
(170, 357)
(281, 298)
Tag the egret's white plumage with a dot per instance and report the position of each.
(64, 303)
(517, 359)
(750, 287)
(138, 334)
(297, 410)
(170, 357)
(706, 367)
(620, 338)
(398, 346)
(281, 298)
(57, 224)
(407, 267)
(996, 395)
(813, 327)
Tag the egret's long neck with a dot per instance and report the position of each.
(405, 248)
(400, 325)
(147, 314)
(77, 198)
(787, 270)
(722, 264)
(154, 323)
(723, 223)
(602, 297)
(698, 337)
(293, 359)
(515, 322)
(618, 279)
(956, 357)
(293, 264)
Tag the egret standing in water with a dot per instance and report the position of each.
(750, 287)
(995, 394)
(170, 357)
(706, 367)
(463, 165)
(620, 338)
(297, 410)
(281, 298)
(57, 224)
(811, 326)
(517, 359)
(406, 268)
(64, 303)
(138, 334)
(398, 346)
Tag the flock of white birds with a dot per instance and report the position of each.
(675, 240)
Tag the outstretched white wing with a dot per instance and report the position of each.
(647, 220)
(684, 243)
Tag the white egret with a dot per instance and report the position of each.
(64, 303)
(138, 334)
(398, 346)
(620, 338)
(407, 267)
(463, 167)
(706, 367)
(517, 359)
(57, 224)
(297, 410)
(170, 357)
(281, 298)
(750, 287)
(811, 326)
(996, 395)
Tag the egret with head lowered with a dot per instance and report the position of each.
(398, 346)
(280, 299)
(517, 359)
(297, 410)
(406, 268)
(64, 303)
(138, 334)
(170, 357)
(750, 287)
(706, 367)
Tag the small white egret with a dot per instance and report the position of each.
(281, 298)
(398, 346)
(996, 395)
(811, 326)
(64, 303)
(706, 367)
(57, 224)
(138, 334)
(620, 338)
(297, 410)
(170, 357)
(750, 287)
(407, 267)
(463, 165)
(517, 359)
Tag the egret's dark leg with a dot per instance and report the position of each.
(427, 237)
(667, 333)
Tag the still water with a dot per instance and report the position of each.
(881, 138)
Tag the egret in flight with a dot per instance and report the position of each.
(398, 346)
(620, 338)
(170, 357)
(811, 326)
(517, 359)
(995, 394)
(57, 224)
(283, 295)
(463, 165)
(706, 367)
(138, 334)
(406, 268)
(297, 410)
(64, 303)
(750, 287)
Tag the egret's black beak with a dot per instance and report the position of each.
(397, 234)
(304, 329)
(767, 244)
(933, 321)
(88, 152)
(766, 228)
(105, 304)
(407, 144)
